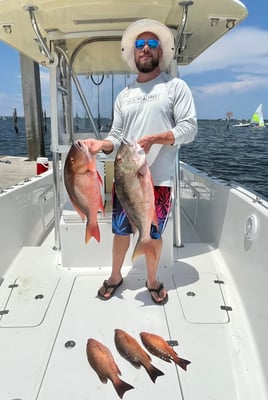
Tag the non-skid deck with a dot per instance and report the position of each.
(53, 311)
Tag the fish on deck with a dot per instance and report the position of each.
(83, 184)
(101, 360)
(131, 350)
(159, 347)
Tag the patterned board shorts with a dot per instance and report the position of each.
(120, 222)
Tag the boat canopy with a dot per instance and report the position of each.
(37, 29)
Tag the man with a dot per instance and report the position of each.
(159, 112)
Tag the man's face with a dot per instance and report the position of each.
(146, 58)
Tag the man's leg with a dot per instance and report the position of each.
(122, 229)
(120, 247)
(162, 207)
(152, 267)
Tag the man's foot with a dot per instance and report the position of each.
(157, 296)
(107, 291)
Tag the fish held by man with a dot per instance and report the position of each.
(134, 188)
(101, 360)
(131, 350)
(159, 347)
(83, 184)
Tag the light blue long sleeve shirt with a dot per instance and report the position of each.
(160, 105)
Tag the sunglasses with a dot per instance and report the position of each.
(151, 43)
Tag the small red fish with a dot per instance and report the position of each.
(101, 360)
(83, 184)
(158, 346)
(131, 350)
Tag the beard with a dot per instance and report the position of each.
(148, 66)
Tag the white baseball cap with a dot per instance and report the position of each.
(163, 33)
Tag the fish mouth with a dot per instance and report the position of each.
(128, 142)
(79, 145)
(133, 144)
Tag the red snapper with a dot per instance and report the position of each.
(83, 184)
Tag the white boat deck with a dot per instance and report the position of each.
(54, 310)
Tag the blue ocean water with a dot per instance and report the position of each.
(237, 154)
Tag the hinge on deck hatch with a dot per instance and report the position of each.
(172, 343)
(13, 285)
(226, 308)
(220, 282)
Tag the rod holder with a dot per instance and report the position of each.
(44, 48)
(185, 5)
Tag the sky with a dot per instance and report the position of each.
(232, 75)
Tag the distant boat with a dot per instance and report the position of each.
(256, 119)
(243, 124)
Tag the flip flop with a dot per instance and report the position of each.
(107, 287)
(161, 302)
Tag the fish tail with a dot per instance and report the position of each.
(92, 231)
(182, 363)
(101, 207)
(154, 372)
(121, 387)
(144, 247)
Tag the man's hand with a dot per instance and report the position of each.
(95, 145)
(146, 142)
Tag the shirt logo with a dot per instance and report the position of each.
(147, 98)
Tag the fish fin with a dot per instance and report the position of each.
(154, 372)
(143, 170)
(100, 178)
(103, 379)
(146, 247)
(183, 363)
(155, 220)
(133, 227)
(81, 214)
(101, 206)
(135, 364)
(121, 387)
(92, 231)
(77, 209)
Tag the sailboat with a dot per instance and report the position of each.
(257, 118)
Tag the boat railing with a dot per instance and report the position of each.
(177, 206)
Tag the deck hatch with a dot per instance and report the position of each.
(28, 301)
(202, 301)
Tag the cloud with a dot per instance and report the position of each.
(239, 84)
(232, 73)
(239, 49)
